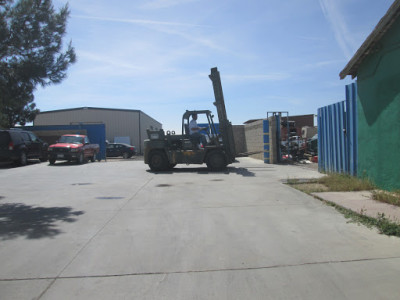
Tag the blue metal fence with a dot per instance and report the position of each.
(278, 138)
(337, 135)
(266, 141)
(210, 130)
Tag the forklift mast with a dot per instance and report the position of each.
(225, 127)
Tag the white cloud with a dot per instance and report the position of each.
(195, 38)
(108, 60)
(336, 20)
(258, 77)
(182, 30)
(311, 38)
(326, 63)
(157, 4)
(136, 21)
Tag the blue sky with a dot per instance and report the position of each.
(156, 55)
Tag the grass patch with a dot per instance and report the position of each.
(332, 183)
(345, 183)
(384, 225)
(387, 197)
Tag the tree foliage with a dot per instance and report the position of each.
(31, 54)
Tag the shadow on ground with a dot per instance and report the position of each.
(65, 163)
(10, 165)
(17, 219)
(204, 170)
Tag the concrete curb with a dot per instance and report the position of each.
(361, 202)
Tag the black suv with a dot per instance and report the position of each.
(20, 145)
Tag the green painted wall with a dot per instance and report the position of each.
(378, 104)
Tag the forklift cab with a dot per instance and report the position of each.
(210, 131)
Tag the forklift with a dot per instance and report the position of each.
(164, 150)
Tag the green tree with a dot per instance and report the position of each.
(31, 54)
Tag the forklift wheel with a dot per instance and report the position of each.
(158, 161)
(216, 161)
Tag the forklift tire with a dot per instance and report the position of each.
(216, 161)
(158, 161)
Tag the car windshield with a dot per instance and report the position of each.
(70, 139)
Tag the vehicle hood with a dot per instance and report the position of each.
(65, 145)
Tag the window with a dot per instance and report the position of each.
(33, 137)
(25, 136)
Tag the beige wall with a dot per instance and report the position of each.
(132, 123)
(240, 139)
(255, 139)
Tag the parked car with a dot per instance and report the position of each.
(73, 147)
(120, 149)
(312, 145)
(20, 145)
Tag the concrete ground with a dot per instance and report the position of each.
(362, 203)
(114, 230)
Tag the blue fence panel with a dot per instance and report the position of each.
(95, 132)
(208, 129)
(351, 108)
(278, 137)
(337, 135)
(266, 141)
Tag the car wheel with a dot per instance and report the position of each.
(158, 161)
(81, 158)
(23, 160)
(216, 161)
(125, 155)
(52, 160)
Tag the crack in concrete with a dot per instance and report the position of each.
(199, 271)
(277, 204)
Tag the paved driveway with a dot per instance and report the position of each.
(114, 230)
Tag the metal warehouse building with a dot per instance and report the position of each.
(122, 125)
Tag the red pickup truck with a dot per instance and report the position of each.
(73, 147)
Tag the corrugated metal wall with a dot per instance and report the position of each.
(126, 123)
(337, 135)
